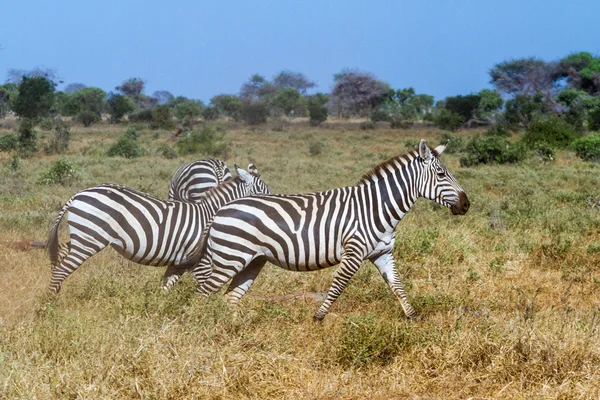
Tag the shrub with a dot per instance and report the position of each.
(498, 130)
(210, 113)
(492, 149)
(144, 115)
(187, 111)
(166, 151)
(27, 141)
(594, 119)
(162, 118)
(61, 172)
(254, 113)
(317, 113)
(60, 141)
(315, 147)
(448, 120)
(544, 151)
(117, 106)
(8, 142)
(87, 117)
(206, 141)
(588, 147)
(381, 116)
(455, 143)
(523, 109)
(552, 130)
(400, 123)
(127, 146)
(367, 125)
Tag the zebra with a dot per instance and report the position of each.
(141, 227)
(307, 232)
(192, 180)
(189, 183)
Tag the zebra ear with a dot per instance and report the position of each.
(424, 150)
(253, 170)
(243, 174)
(440, 149)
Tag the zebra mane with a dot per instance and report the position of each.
(214, 191)
(410, 156)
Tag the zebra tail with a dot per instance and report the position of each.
(52, 243)
(200, 249)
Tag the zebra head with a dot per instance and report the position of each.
(252, 182)
(437, 183)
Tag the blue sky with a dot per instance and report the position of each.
(199, 49)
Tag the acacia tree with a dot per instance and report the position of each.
(582, 71)
(132, 87)
(74, 87)
(294, 80)
(356, 93)
(163, 97)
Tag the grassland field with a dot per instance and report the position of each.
(508, 294)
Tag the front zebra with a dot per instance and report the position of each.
(312, 231)
(192, 180)
(141, 227)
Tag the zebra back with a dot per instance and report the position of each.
(192, 180)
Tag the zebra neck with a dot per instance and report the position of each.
(221, 195)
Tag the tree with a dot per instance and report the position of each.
(526, 76)
(5, 98)
(287, 100)
(257, 88)
(582, 71)
(163, 97)
(422, 103)
(356, 93)
(489, 105)
(90, 99)
(74, 87)
(187, 110)
(35, 97)
(254, 113)
(132, 87)
(294, 80)
(117, 106)
(523, 109)
(229, 105)
(16, 75)
(316, 108)
(465, 106)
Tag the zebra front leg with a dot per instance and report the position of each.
(171, 276)
(350, 263)
(385, 265)
(242, 281)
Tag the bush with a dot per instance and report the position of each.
(141, 116)
(162, 118)
(61, 172)
(552, 130)
(60, 141)
(523, 109)
(206, 141)
(400, 123)
(588, 147)
(498, 130)
(381, 116)
(448, 120)
(367, 125)
(544, 151)
(492, 149)
(315, 147)
(8, 142)
(166, 151)
(27, 141)
(456, 143)
(117, 106)
(594, 119)
(127, 146)
(254, 113)
(87, 117)
(210, 113)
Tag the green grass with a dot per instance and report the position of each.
(507, 294)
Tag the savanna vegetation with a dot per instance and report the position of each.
(507, 294)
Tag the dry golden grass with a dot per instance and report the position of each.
(508, 294)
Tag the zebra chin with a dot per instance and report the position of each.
(460, 206)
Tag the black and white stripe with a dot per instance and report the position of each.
(141, 227)
(312, 231)
(191, 180)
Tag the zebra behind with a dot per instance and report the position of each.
(308, 232)
(191, 180)
(141, 227)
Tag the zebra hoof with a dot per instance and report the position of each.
(318, 317)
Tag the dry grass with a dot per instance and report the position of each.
(508, 294)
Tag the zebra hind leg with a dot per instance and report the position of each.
(242, 281)
(348, 267)
(77, 255)
(63, 251)
(211, 281)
